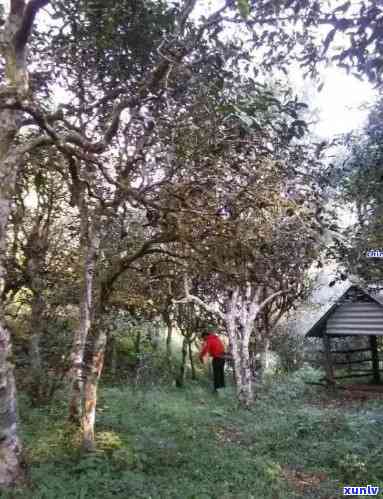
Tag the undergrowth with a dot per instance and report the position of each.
(170, 443)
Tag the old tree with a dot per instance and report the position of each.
(14, 39)
(250, 230)
(145, 139)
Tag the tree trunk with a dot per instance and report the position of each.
(192, 366)
(253, 355)
(81, 334)
(155, 333)
(169, 321)
(265, 355)
(181, 378)
(90, 390)
(247, 395)
(15, 34)
(10, 448)
(266, 349)
(169, 338)
(242, 373)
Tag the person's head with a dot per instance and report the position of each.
(209, 329)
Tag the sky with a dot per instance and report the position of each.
(339, 102)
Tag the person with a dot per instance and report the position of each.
(214, 347)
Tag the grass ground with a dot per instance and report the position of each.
(185, 444)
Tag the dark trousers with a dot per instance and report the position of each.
(218, 372)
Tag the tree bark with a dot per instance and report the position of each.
(266, 353)
(155, 333)
(192, 366)
(181, 378)
(15, 35)
(86, 307)
(242, 372)
(169, 337)
(10, 447)
(90, 390)
(169, 321)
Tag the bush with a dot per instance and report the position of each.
(286, 388)
(290, 348)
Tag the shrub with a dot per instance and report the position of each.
(290, 348)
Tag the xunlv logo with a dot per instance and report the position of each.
(368, 490)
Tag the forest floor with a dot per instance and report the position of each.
(166, 442)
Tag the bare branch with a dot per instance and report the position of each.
(115, 119)
(269, 299)
(189, 298)
(30, 12)
(123, 263)
(213, 19)
(34, 144)
(185, 13)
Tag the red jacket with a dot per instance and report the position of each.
(212, 346)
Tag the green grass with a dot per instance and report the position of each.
(171, 443)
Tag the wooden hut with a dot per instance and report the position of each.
(357, 315)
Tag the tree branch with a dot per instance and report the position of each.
(189, 298)
(124, 263)
(34, 144)
(270, 298)
(29, 15)
(17, 7)
(185, 13)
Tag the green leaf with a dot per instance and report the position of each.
(244, 8)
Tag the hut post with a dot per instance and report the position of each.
(375, 358)
(327, 358)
